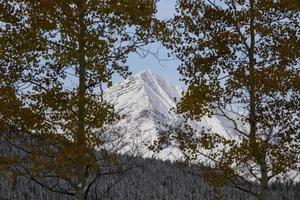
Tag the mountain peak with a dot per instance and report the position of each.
(145, 72)
(146, 89)
(145, 100)
(149, 76)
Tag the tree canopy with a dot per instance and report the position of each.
(56, 58)
(240, 62)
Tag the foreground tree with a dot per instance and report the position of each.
(10, 103)
(240, 61)
(58, 56)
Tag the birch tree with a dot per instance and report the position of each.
(240, 62)
(64, 53)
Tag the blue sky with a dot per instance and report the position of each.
(164, 66)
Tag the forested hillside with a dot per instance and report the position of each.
(149, 179)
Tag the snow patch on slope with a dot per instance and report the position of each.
(145, 100)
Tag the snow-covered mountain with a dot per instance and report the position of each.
(145, 100)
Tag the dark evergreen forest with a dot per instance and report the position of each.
(143, 179)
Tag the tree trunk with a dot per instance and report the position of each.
(82, 80)
(264, 179)
(252, 89)
(81, 134)
(259, 155)
(81, 183)
(80, 194)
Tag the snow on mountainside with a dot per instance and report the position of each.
(145, 100)
(143, 95)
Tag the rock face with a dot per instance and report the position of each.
(145, 101)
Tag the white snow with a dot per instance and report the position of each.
(145, 100)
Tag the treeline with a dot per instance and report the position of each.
(144, 179)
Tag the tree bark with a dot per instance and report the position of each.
(252, 110)
(260, 156)
(81, 135)
(82, 80)
(264, 180)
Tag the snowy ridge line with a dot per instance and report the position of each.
(145, 101)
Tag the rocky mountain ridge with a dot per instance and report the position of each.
(145, 101)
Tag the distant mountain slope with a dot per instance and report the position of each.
(145, 100)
